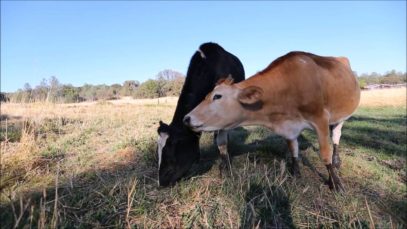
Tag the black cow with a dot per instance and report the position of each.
(178, 146)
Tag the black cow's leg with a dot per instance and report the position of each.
(336, 136)
(222, 142)
(293, 147)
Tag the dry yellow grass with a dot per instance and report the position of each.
(103, 128)
(384, 97)
(171, 100)
(372, 98)
(102, 146)
(141, 110)
(163, 100)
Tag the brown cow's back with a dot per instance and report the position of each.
(308, 84)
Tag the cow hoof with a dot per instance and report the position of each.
(334, 181)
(295, 168)
(224, 169)
(336, 186)
(296, 173)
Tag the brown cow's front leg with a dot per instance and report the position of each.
(322, 129)
(226, 160)
(336, 136)
(293, 147)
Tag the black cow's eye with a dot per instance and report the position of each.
(217, 96)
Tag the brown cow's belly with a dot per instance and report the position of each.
(289, 129)
(335, 119)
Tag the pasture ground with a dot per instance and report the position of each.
(94, 165)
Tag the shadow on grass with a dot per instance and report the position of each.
(266, 207)
(267, 148)
(97, 198)
(9, 130)
(380, 135)
(8, 117)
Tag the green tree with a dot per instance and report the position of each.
(148, 89)
(115, 90)
(88, 92)
(169, 82)
(41, 91)
(70, 94)
(27, 93)
(54, 92)
(4, 97)
(174, 87)
(129, 87)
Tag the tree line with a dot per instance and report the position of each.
(390, 77)
(166, 83)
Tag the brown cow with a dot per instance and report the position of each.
(296, 91)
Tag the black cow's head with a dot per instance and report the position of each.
(177, 151)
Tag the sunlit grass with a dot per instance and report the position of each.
(94, 165)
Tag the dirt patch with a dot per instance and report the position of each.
(395, 164)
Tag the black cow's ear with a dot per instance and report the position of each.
(250, 95)
(163, 128)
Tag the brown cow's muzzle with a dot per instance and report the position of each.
(187, 122)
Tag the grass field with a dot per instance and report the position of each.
(94, 166)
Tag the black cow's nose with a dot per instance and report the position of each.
(187, 120)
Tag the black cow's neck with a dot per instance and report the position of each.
(190, 97)
(198, 83)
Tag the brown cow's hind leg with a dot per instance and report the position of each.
(336, 136)
(322, 129)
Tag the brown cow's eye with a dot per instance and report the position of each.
(217, 96)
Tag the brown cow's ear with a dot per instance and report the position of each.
(250, 95)
(228, 80)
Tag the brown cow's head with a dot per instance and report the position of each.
(224, 108)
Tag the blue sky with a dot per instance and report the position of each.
(110, 42)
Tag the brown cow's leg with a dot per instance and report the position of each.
(226, 161)
(336, 136)
(322, 129)
(293, 147)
